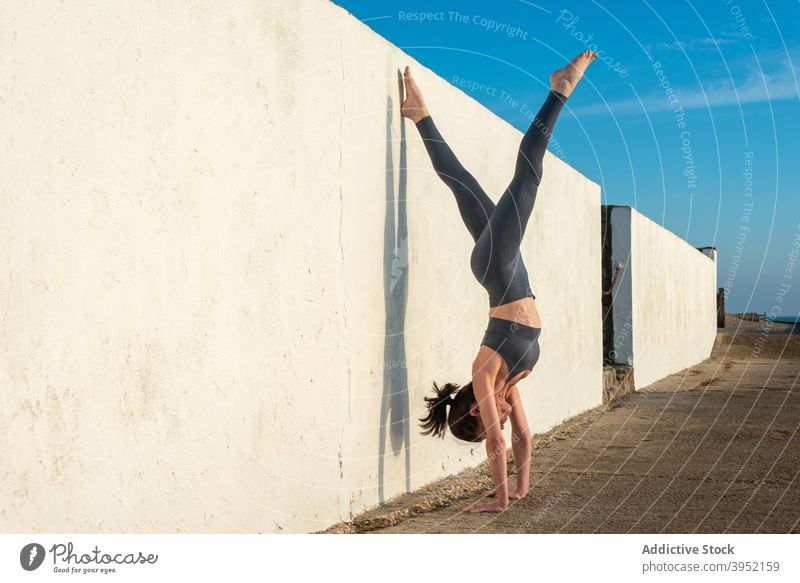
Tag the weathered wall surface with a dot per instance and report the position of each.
(664, 310)
(230, 274)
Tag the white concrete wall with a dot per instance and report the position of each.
(230, 274)
(665, 304)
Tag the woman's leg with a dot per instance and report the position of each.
(507, 224)
(473, 203)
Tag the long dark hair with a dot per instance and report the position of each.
(462, 425)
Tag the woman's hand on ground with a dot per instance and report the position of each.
(492, 507)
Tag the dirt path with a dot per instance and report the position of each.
(712, 449)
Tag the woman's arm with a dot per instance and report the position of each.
(483, 388)
(520, 443)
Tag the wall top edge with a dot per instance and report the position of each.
(343, 13)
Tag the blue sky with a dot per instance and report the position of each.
(692, 117)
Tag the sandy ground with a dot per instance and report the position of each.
(712, 449)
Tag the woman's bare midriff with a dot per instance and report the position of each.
(523, 311)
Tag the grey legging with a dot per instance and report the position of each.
(496, 261)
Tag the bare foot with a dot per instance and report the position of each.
(565, 79)
(413, 106)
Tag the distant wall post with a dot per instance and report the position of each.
(712, 252)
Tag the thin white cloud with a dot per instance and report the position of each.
(691, 44)
(776, 82)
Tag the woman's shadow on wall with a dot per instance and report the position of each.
(394, 420)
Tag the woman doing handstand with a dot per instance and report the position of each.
(510, 347)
